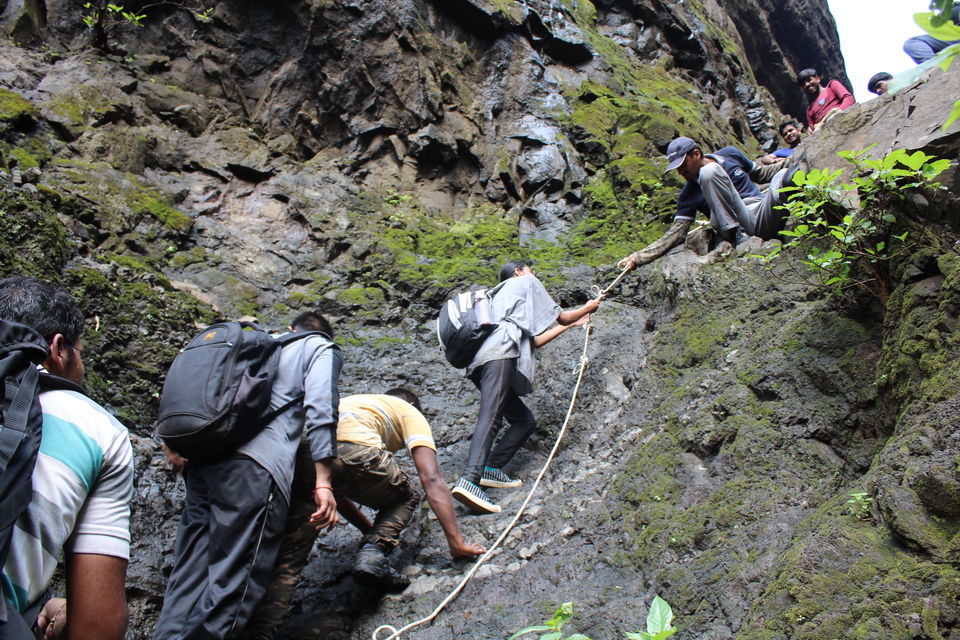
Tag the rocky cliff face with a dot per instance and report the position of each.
(365, 158)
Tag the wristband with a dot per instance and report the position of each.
(322, 486)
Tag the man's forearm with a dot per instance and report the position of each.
(438, 495)
(676, 234)
(324, 469)
(763, 173)
(352, 514)
(97, 604)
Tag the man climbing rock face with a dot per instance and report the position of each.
(878, 83)
(503, 370)
(372, 428)
(236, 504)
(719, 186)
(825, 101)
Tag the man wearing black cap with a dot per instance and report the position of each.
(719, 185)
(878, 83)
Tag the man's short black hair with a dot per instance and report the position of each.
(42, 306)
(806, 73)
(876, 79)
(787, 123)
(507, 270)
(407, 395)
(312, 321)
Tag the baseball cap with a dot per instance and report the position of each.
(676, 150)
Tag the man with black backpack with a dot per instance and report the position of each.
(503, 370)
(237, 501)
(81, 478)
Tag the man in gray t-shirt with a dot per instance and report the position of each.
(236, 505)
(503, 370)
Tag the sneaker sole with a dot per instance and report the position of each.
(496, 484)
(472, 502)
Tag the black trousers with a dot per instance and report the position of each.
(227, 542)
(498, 402)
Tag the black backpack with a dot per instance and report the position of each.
(460, 331)
(217, 392)
(21, 350)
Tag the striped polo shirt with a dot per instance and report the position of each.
(82, 487)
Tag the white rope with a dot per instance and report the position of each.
(395, 633)
(599, 294)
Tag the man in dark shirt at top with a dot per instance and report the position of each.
(718, 185)
(790, 131)
(824, 100)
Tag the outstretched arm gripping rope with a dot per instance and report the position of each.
(395, 633)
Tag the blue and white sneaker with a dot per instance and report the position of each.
(497, 479)
(473, 497)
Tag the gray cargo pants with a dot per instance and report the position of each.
(756, 216)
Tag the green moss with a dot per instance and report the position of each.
(30, 152)
(361, 297)
(389, 341)
(922, 341)
(123, 201)
(85, 103)
(139, 264)
(439, 249)
(152, 203)
(297, 299)
(695, 337)
(845, 579)
(182, 259)
(510, 9)
(25, 159)
(15, 108)
(32, 238)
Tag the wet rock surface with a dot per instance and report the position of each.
(367, 158)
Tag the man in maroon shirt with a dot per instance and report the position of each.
(824, 101)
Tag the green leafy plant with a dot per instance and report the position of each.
(859, 505)
(101, 17)
(554, 626)
(658, 624)
(843, 249)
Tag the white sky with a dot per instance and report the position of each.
(871, 37)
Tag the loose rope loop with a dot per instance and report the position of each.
(600, 294)
(580, 368)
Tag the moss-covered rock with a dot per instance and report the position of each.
(32, 238)
(136, 323)
(16, 112)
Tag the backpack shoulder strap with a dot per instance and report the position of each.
(284, 340)
(491, 293)
(293, 336)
